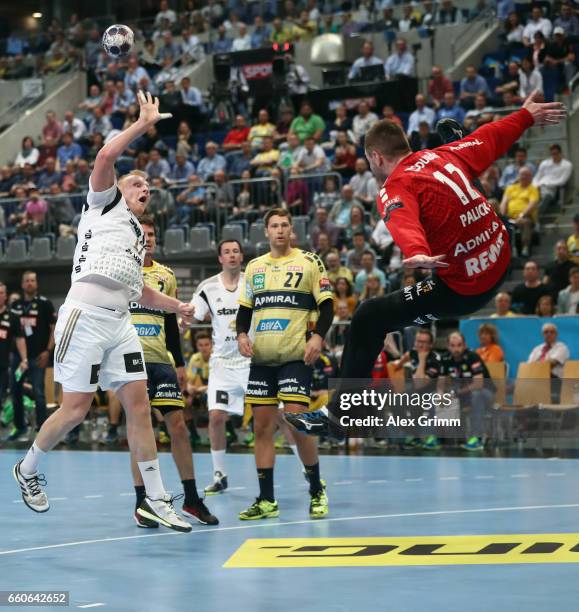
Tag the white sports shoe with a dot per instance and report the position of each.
(161, 511)
(31, 488)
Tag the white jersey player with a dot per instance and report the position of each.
(96, 344)
(217, 298)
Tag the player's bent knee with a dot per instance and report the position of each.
(176, 426)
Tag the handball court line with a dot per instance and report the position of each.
(288, 523)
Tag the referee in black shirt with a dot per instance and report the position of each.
(37, 319)
(10, 334)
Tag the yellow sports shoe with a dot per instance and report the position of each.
(260, 509)
(164, 438)
(319, 505)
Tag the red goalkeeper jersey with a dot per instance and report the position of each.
(431, 207)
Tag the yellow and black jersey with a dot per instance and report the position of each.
(284, 294)
(197, 370)
(150, 323)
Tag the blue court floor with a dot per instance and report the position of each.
(88, 544)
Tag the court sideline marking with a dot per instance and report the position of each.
(307, 521)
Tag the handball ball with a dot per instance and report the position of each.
(118, 40)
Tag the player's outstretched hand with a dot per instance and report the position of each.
(245, 345)
(149, 109)
(544, 113)
(186, 312)
(425, 261)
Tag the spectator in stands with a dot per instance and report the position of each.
(401, 63)
(438, 86)
(182, 169)
(567, 21)
(212, 162)
(538, 49)
(113, 73)
(97, 142)
(185, 139)
(568, 299)
(135, 74)
(100, 124)
(170, 98)
(297, 193)
(165, 13)
(372, 288)
(27, 179)
(552, 176)
(349, 27)
(306, 28)
(158, 166)
(223, 43)
(537, 23)
(341, 122)
(92, 101)
(336, 270)
(52, 129)
(168, 48)
(36, 210)
(367, 269)
(344, 292)
(557, 272)
(513, 30)
(281, 34)
(510, 81)
(7, 180)
(364, 184)
(289, 155)
(424, 138)
(243, 207)
(511, 172)
(28, 153)
(447, 14)
(122, 100)
(282, 127)
(545, 306)
(480, 114)
(340, 213)
(354, 255)
(262, 128)
(388, 113)
(519, 205)
(74, 125)
(190, 96)
(264, 162)
(307, 124)
(82, 174)
(239, 162)
(191, 47)
(362, 122)
(409, 20)
(560, 58)
(261, 33)
(108, 97)
(221, 193)
(168, 73)
(68, 184)
(68, 150)
(530, 79)
(311, 158)
(60, 211)
(242, 42)
(527, 294)
(471, 85)
(573, 242)
(490, 350)
(162, 204)
(92, 49)
(324, 246)
(422, 113)
(451, 109)
(345, 156)
(323, 224)
(190, 205)
(48, 176)
(552, 351)
(368, 59)
(357, 224)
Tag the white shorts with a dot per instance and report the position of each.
(96, 347)
(226, 389)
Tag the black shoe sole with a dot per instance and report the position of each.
(198, 519)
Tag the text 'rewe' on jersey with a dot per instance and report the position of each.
(284, 294)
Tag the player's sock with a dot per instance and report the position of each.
(190, 490)
(313, 472)
(140, 495)
(218, 458)
(295, 453)
(113, 429)
(29, 465)
(151, 475)
(265, 478)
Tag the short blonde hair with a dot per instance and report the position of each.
(139, 173)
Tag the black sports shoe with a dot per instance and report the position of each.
(450, 130)
(219, 484)
(200, 513)
(316, 423)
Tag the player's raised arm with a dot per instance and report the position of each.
(103, 174)
(488, 143)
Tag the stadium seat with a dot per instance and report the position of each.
(533, 384)
(65, 246)
(200, 239)
(261, 248)
(301, 230)
(232, 232)
(174, 242)
(16, 252)
(256, 232)
(41, 249)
